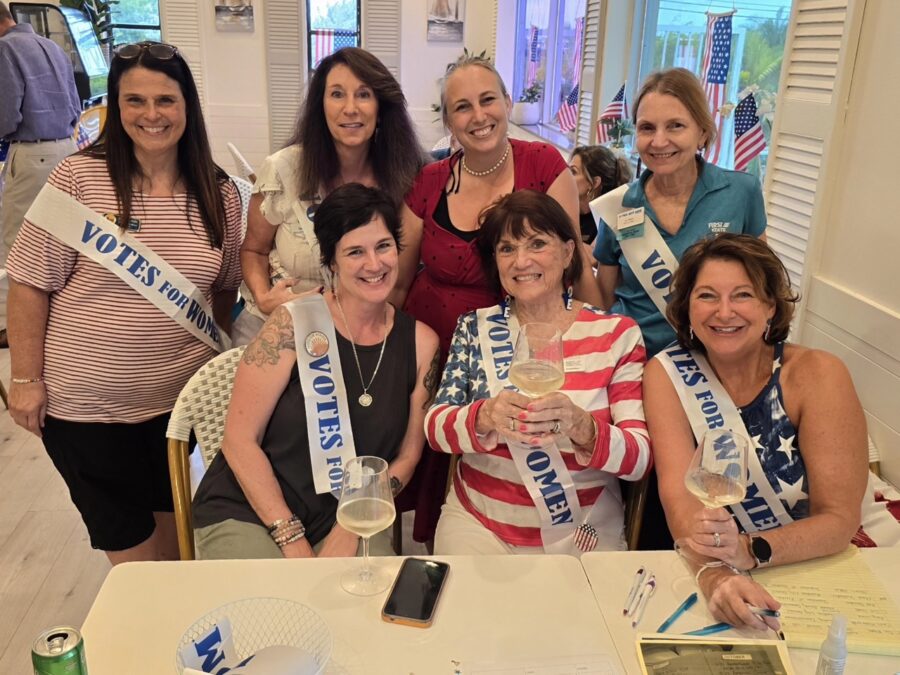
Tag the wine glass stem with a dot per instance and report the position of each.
(366, 573)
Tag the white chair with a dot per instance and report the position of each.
(243, 166)
(245, 190)
(201, 407)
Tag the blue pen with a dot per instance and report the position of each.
(709, 630)
(682, 608)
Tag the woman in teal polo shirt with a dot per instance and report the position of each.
(684, 198)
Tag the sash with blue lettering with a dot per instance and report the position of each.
(324, 394)
(649, 257)
(708, 406)
(135, 263)
(543, 471)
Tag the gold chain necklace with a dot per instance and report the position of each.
(365, 399)
(486, 172)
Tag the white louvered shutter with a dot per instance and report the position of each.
(285, 56)
(381, 32)
(819, 53)
(584, 129)
(178, 25)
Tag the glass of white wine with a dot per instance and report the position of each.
(716, 475)
(366, 507)
(537, 363)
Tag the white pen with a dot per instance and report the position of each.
(648, 590)
(636, 586)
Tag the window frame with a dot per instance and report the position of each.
(310, 66)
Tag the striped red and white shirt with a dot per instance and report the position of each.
(109, 354)
(605, 362)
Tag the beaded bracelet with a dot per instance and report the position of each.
(26, 380)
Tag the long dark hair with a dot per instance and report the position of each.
(394, 151)
(202, 177)
(598, 161)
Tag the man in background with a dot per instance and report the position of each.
(39, 108)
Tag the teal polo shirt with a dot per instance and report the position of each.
(722, 201)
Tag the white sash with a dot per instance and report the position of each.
(708, 406)
(543, 471)
(328, 427)
(135, 263)
(651, 260)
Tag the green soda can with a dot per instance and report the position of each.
(59, 651)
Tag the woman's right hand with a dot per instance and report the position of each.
(28, 405)
(278, 294)
(730, 596)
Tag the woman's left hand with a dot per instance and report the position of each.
(714, 533)
(553, 416)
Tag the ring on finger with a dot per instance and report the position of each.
(717, 540)
(555, 428)
(512, 424)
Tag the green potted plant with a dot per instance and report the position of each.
(527, 110)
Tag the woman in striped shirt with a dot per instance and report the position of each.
(538, 474)
(96, 361)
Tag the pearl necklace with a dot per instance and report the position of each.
(365, 399)
(486, 172)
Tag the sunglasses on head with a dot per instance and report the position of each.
(158, 50)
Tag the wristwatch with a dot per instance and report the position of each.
(396, 485)
(761, 550)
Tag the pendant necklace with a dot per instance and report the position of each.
(365, 399)
(486, 172)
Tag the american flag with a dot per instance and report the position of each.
(749, 139)
(326, 41)
(616, 110)
(576, 47)
(534, 57)
(586, 537)
(568, 111)
(88, 128)
(716, 62)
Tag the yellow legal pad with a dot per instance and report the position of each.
(812, 592)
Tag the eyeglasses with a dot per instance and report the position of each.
(158, 50)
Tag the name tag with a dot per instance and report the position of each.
(574, 364)
(630, 224)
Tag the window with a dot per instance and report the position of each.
(332, 24)
(134, 21)
(758, 33)
(549, 40)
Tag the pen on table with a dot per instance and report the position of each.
(646, 592)
(682, 608)
(633, 594)
(709, 630)
(763, 611)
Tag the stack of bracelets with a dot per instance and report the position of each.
(286, 531)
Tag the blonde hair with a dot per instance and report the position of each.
(465, 61)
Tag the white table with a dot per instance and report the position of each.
(493, 609)
(611, 575)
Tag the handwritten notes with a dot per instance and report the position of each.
(814, 591)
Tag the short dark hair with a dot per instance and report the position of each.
(514, 214)
(598, 161)
(201, 176)
(394, 150)
(348, 207)
(767, 273)
(683, 85)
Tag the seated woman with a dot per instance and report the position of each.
(597, 170)
(538, 474)
(272, 481)
(732, 302)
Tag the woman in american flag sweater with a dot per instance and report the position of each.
(538, 474)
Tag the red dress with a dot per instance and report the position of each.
(451, 283)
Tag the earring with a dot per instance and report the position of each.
(691, 333)
(506, 303)
(567, 298)
(768, 329)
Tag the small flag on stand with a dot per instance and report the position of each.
(749, 139)
(568, 111)
(616, 110)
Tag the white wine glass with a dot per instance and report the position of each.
(537, 363)
(366, 507)
(717, 476)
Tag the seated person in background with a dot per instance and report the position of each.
(538, 475)
(597, 170)
(732, 302)
(272, 471)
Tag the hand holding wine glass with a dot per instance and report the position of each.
(537, 363)
(366, 507)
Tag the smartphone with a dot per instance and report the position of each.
(415, 593)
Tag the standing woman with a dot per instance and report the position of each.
(440, 223)
(683, 200)
(108, 320)
(597, 170)
(353, 128)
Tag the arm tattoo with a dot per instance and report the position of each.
(275, 336)
(431, 379)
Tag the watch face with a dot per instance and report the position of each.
(762, 551)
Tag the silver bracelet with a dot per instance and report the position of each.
(26, 380)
